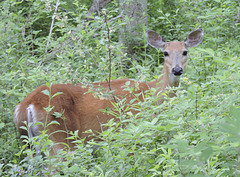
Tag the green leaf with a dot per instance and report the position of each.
(182, 145)
(57, 114)
(56, 94)
(167, 14)
(74, 168)
(53, 123)
(187, 163)
(39, 123)
(2, 125)
(99, 169)
(48, 85)
(218, 60)
(231, 125)
(46, 92)
(235, 112)
(127, 83)
(23, 127)
(206, 154)
(49, 109)
(210, 51)
(200, 146)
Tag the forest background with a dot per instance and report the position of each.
(196, 133)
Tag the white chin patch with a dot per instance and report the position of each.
(173, 79)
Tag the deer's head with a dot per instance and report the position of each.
(175, 52)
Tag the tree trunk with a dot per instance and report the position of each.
(97, 6)
(134, 12)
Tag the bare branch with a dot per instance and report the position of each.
(53, 18)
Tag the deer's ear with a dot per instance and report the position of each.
(194, 38)
(155, 40)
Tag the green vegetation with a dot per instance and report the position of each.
(196, 133)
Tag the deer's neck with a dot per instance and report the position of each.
(166, 80)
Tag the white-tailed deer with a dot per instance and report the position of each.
(81, 110)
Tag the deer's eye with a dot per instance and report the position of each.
(165, 54)
(184, 53)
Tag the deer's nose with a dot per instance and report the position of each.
(177, 70)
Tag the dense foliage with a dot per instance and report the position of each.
(196, 133)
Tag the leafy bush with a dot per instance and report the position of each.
(193, 134)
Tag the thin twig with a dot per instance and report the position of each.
(109, 56)
(53, 18)
(196, 105)
(65, 10)
(110, 61)
(112, 19)
(109, 51)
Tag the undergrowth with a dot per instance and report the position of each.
(195, 133)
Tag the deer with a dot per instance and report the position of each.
(81, 108)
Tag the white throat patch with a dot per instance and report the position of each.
(173, 79)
